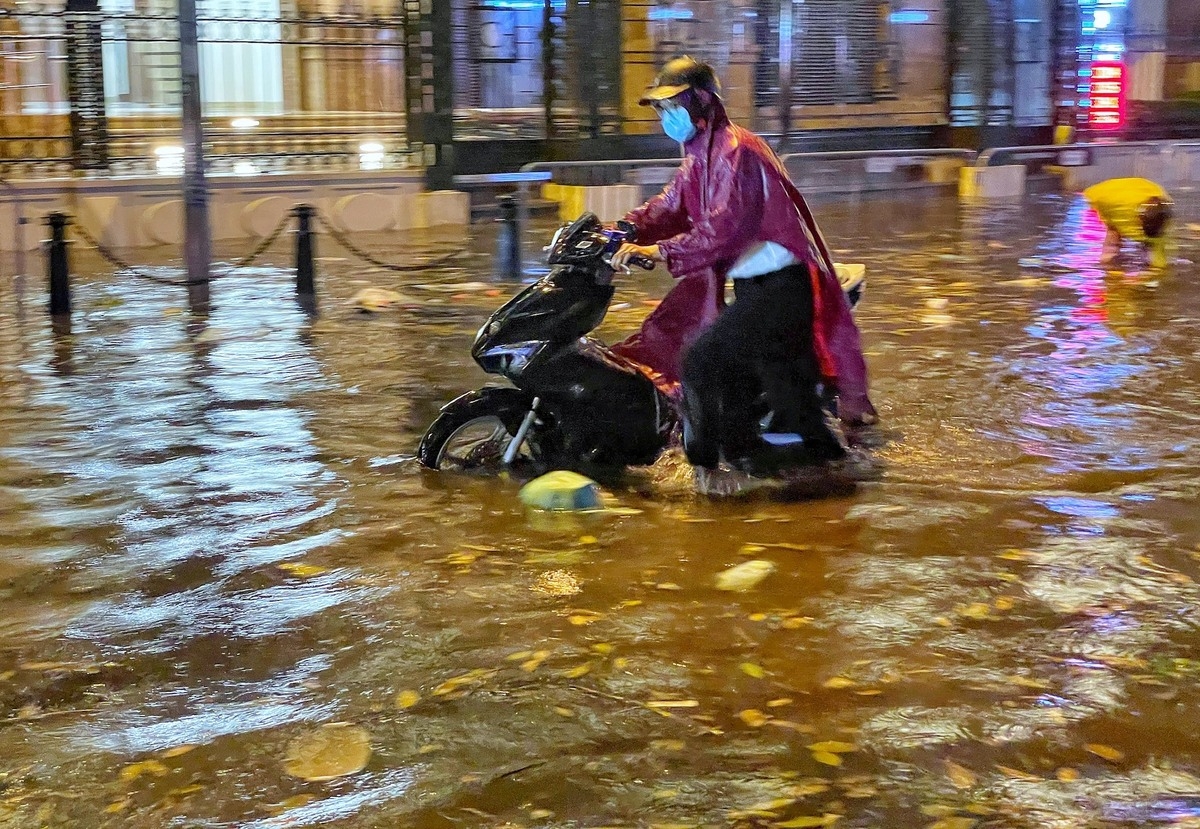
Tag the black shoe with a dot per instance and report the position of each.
(763, 461)
(823, 447)
(698, 444)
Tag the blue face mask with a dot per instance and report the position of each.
(677, 124)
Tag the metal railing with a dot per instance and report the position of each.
(1075, 155)
(1164, 161)
(614, 171)
(967, 156)
(893, 169)
(610, 171)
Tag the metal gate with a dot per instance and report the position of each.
(287, 84)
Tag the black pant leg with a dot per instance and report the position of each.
(721, 381)
(789, 367)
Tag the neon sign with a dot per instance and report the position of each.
(1107, 94)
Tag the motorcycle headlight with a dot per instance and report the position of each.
(510, 359)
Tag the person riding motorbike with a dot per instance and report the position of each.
(731, 211)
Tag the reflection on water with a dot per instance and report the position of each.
(214, 543)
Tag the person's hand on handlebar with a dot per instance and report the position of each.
(630, 254)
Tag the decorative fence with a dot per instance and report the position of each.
(318, 84)
(284, 88)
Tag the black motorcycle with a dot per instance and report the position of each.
(575, 404)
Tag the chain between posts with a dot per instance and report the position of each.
(338, 236)
(121, 264)
(349, 246)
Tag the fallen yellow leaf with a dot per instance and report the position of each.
(1067, 775)
(861, 791)
(452, 685)
(407, 699)
(828, 758)
(135, 770)
(531, 665)
(178, 751)
(792, 726)
(833, 746)
(1107, 752)
(673, 703)
(580, 619)
(577, 671)
(838, 682)
(794, 622)
(1017, 774)
(961, 777)
(603, 648)
(744, 576)
(753, 717)
(293, 802)
(978, 610)
(805, 789)
(764, 809)
(757, 617)
(828, 819)
(750, 669)
(779, 703)
(299, 568)
(588, 539)
(1016, 555)
(1003, 603)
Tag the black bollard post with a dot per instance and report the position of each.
(306, 289)
(56, 261)
(508, 244)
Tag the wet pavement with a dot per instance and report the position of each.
(231, 600)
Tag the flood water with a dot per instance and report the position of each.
(214, 545)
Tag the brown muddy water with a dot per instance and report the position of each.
(231, 600)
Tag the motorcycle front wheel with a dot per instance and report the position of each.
(472, 433)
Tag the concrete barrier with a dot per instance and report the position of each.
(1005, 182)
(261, 216)
(161, 223)
(364, 212)
(609, 202)
(143, 212)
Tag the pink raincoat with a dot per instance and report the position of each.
(731, 193)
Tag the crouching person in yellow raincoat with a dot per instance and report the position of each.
(1133, 208)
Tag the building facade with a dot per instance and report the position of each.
(317, 82)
